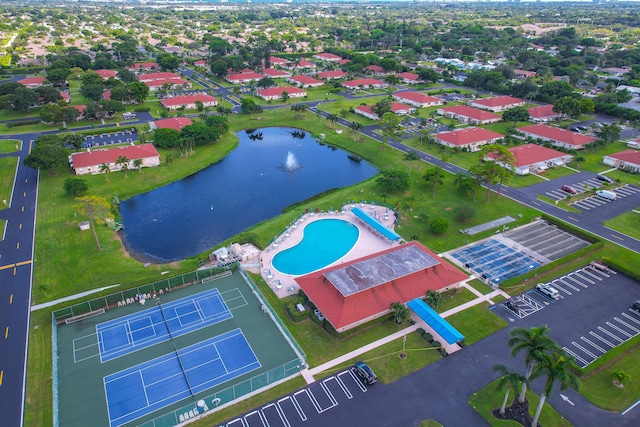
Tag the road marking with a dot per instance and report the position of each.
(626, 324)
(576, 220)
(11, 299)
(25, 194)
(566, 399)
(584, 349)
(594, 345)
(18, 245)
(23, 209)
(617, 237)
(615, 337)
(6, 333)
(20, 228)
(575, 355)
(1, 375)
(619, 330)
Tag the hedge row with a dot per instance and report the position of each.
(293, 312)
(23, 123)
(571, 229)
(621, 269)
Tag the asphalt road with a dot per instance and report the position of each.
(16, 273)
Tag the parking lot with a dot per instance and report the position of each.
(121, 137)
(593, 308)
(306, 404)
(593, 202)
(581, 187)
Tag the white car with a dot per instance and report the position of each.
(548, 290)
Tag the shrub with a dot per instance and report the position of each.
(295, 315)
(439, 225)
(420, 331)
(142, 109)
(437, 344)
(427, 336)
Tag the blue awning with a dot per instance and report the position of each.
(435, 321)
(375, 224)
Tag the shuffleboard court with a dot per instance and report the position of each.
(149, 386)
(130, 333)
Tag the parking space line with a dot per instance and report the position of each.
(575, 355)
(618, 329)
(576, 281)
(602, 273)
(633, 319)
(601, 339)
(584, 278)
(592, 275)
(561, 287)
(584, 349)
(615, 337)
(602, 350)
(310, 396)
(296, 406)
(341, 385)
(626, 324)
(280, 413)
(236, 420)
(263, 418)
(355, 379)
(332, 399)
(568, 284)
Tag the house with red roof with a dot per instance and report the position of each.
(66, 96)
(276, 92)
(543, 113)
(417, 99)
(89, 162)
(556, 136)
(305, 81)
(201, 63)
(524, 73)
(188, 102)
(375, 70)
(365, 84)
(106, 74)
(358, 291)
(466, 114)
(469, 139)
(533, 158)
(155, 85)
(149, 77)
(143, 67)
(497, 103)
(176, 123)
(408, 78)
(627, 160)
(396, 107)
(328, 57)
(80, 109)
(299, 65)
(331, 75)
(274, 60)
(32, 82)
(244, 78)
(274, 73)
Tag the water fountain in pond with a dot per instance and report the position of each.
(291, 163)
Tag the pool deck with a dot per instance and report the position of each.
(368, 243)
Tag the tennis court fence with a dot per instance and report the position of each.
(111, 300)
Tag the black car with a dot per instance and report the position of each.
(636, 306)
(365, 373)
(604, 178)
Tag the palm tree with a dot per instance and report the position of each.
(510, 380)
(123, 162)
(332, 118)
(536, 344)
(412, 155)
(137, 163)
(104, 168)
(434, 299)
(477, 174)
(400, 312)
(355, 127)
(557, 367)
(168, 159)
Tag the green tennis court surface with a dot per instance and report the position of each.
(183, 358)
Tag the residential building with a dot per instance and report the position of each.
(90, 162)
(466, 114)
(628, 160)
(158, 76)
(523, 74)
(305, 81)
(275, 73)
(376, 70)
(32, 82)
(365, 84)
(497, 103)
(176, 123)
(143, 67)
(397, 108)
(533, 158)
(408, 78)
(172, 84)
(106, 74)
(469, 139)
(417, 99)
(328, 57)
(556, 136)
(356, 292)
(188, 102)
(331, 75)
(543, 113)
(299, 65)
(244, 78)
(276, 92)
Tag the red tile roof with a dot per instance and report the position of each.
(276, 60)
(343, 311)
(417, 97)
(557, 134)
(80, 108)
(277, 91)
(407, 76)
(335, 74)
(98, 157)
(468, 136)
(32, 81)
(364, 82)
(629, 156)
(374, 68)
(327, 56)
(245, 76)
(397, 107)
(105, 74)
(273, 72)
(365, 109)
(176, 123)
(530, 154)
(157, 76)
(187, 99)
(473, 113)
(160, 82)
(542, 111)
(306, 80)
(524, 73)
(498, 101)
(143, 65)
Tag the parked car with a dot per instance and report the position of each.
(636, 306)
(365, 373)
(548, 290)
(604, 178)
(605, 194)
(569, 189)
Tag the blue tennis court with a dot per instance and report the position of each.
(130, 333)
(149, 386)
(495, 261)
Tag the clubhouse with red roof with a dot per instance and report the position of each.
(397, 108)
(543, 113)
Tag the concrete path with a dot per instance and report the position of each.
(70, 298)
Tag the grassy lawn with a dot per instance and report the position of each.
(454, 298)
(11, 115)
(593, 159)
(430, 423)
(488, 398)
(627, 223)
(3, 225)
(8, 167)
(10, 145)
(476, 323)
(479, 286)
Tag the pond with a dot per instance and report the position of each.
(270, 169)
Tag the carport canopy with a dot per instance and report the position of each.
(375, 224)
(435, 321)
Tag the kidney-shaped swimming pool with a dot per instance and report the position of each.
(323, 243)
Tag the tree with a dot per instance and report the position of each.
(433, 299)
(556, 367)
(200, 134)
(75, 187)
(70, 114)
(510, 380)
(355, 127)
(392, 180)
(23, 98)
(47, 94)
(439, 225)
(47, 156)
(138, 91)
(411, 156)
(73, 139)
(249, 106)
(383, 106)
(390, 124)
(434, 175)
(515, 115)
(58, 77)
(51, 113)
(285, 96)
(127, 76)
(400, 312)
(167, 61)
(620, 377)
(137, 163)
(92, 206)
(92, 91)
(502, 166)
(568, 106)
(106, 170)
(535, 343)
(609, 133)
(464, 213)
(464, 182)
(477, 173)
(123, 163)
